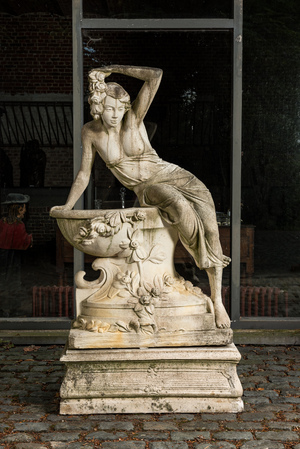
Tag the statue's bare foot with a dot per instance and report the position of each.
(222, 318)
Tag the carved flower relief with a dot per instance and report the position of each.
(108, 225)
(131, 248)
(139, 215)
(91, 325)
(97, 81)
(144, 310)
(122, 280)
(101, 229)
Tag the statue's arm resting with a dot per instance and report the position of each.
(83, 176)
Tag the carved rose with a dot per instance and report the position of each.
(168, 280)
(100, 87)
(131, 248)
(145, 300)
(139, 215)
(102, 229)
(124, 280)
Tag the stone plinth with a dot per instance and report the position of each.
(161, 380)
(212, 337)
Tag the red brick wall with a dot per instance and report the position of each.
(59, 166)
(35, 54)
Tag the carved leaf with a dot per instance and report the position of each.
(141, 253)
(103, 327)
(141, 291)
(135, 325)
(124, 244)
(138, 308)
(148, 286)
(86, 242)
(123, 327)
(113, 292)
(123, 294)
(114, 218)
(123, 217)
(156, 255)
(113, 328)
(147, 330)
(135, 281)
(158, 282)
(158, 258)
(116, 229)
(149, 309)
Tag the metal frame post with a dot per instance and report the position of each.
(77, 109)
(236, 161)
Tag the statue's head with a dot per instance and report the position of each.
(99, 91)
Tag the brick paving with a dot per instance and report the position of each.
(29, 402)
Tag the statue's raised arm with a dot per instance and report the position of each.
(151, 77)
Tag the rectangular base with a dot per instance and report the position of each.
(154, 380)
(150, 405)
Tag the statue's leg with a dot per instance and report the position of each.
(177, 210)
(174, 208)
(207, 212)
(215, 273)
(215, 282)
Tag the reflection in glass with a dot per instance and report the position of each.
(271, 163)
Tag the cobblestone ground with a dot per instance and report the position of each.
(29, 401)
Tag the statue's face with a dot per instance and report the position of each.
(113, 112)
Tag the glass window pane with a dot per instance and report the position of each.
(190, 115)
(270, 177)
(36, 159)
(136, 9)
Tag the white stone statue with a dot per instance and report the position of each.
(118, 134)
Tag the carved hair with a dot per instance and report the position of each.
(99, 90)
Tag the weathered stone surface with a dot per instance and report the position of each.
(162, 380)
(117, 311)
(233, 435)
(167, 445)
(29, 446)
(262, 445)
(17, 437)
(191, 435)
(220, 445)
(284, 436)
(216, 337)
(60, 436)
(102, 435)
(123, 445)
(32, 426)
(60, 445)
(154, 425)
